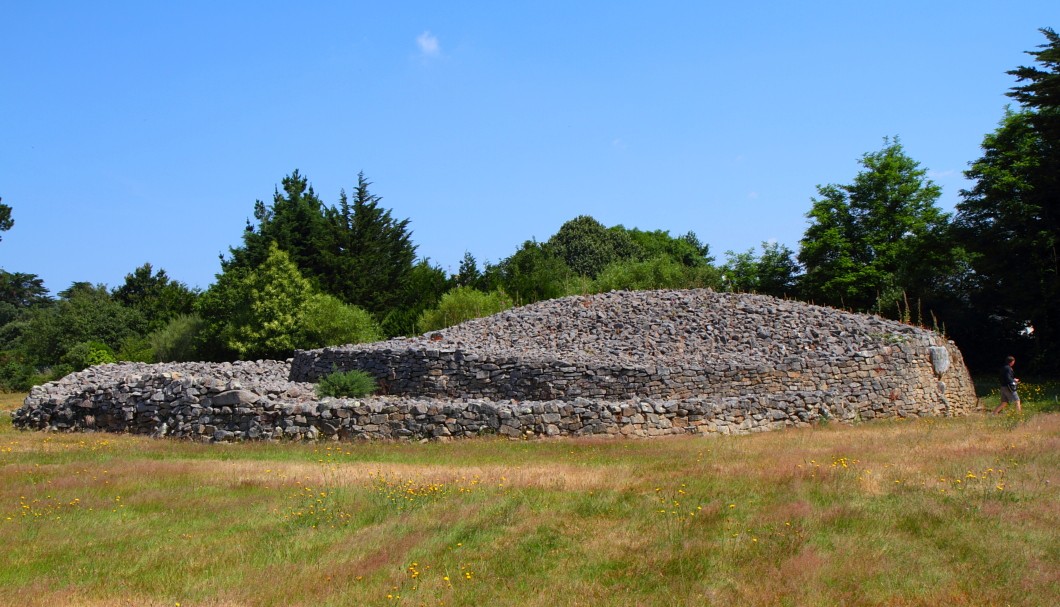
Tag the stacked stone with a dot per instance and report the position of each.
(621, 328)
(664, 345)
(623, 364)
(188, 399)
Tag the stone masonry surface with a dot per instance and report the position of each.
(643, 363)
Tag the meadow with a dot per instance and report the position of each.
(912, 512)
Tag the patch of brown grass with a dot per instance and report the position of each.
(9, 401)
(559, 477)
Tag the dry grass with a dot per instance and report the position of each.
(923, 512)
(9, 401)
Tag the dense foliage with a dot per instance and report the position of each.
(774, 272)
(308, 275)
(462, 304)
(271, 310)
(355, 251)
(878, 240)
(1009, 223)
(346, 384)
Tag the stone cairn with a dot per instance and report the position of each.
(644, 363)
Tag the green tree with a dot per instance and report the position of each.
(367, 254)
(86, 354)
(17, 372)
(1041, 93)
(267, 312)
(216, 308)
(702, 249)
(20, 293)
(273, 300)
(83, 314)
(21, 296)
(587, 247)
(468, 275)
(1009, 220)
(773, 272)
(22, 290)
(685, 250)
(356, 251)
(778, 270)
(421, 290)
(603, 259)
(740, 272)
(6, 222)
(158, 298)
(178, 341)
(533, 273)
(878, 240)
(294, 221)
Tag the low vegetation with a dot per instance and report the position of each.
(916, 512)
(347, 384)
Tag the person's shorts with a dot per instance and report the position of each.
(1008, 395)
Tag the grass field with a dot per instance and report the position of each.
(922, 512)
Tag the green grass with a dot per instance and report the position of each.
(926, 512)
(1037, 395)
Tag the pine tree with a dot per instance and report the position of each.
(157, 297)
(367, 255)
(294, 221)
(6, 222)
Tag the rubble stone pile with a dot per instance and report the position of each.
(642, 363)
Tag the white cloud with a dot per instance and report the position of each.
(428, 44)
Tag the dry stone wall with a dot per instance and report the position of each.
(666, 345)
(623, 364)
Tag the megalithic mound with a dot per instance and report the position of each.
(619, 364)
(670, 345)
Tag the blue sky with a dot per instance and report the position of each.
(135, 132)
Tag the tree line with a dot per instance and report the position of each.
(307, 274)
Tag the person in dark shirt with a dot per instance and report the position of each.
(1008, 386)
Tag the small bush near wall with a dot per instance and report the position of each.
(347, 384)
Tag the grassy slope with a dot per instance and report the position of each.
(927, 512)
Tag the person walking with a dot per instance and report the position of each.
(1009, 383)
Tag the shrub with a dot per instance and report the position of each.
(400, 322)
(178, 340)
(136, 349)
(87, 354)
(657, 273)
(48, 374)
(461, 304)
(16, 372)
(327, 321)
(347, 384)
